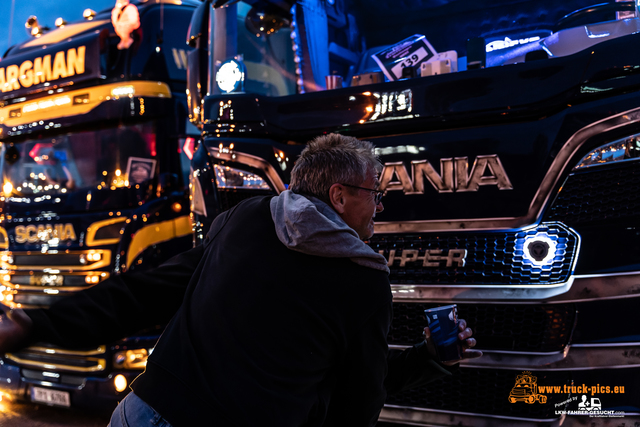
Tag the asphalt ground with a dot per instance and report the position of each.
(25, 414)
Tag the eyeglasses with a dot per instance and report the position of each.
(376, 197)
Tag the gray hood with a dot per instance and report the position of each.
(308, 225)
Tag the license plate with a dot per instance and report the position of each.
(50, 397)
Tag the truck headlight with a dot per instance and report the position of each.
(617, 151)
(131, 359)
(120, 383)
(228, 177)
(230, 76)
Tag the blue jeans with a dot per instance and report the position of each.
(134, 412)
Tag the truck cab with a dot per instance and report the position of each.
(95, 144)
(509, 135)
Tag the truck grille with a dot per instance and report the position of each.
(601, 194)
(483, 391)
(63, 260)
(34, 279)
(57, 359)
(500, 327)
(489, 258)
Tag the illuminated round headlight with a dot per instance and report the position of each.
(230, 76)
(120, 383)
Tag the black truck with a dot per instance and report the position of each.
(510, 137)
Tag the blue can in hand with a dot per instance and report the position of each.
(443, 324)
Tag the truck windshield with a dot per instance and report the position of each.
(102, 159)
(267, 55)
(341, 43)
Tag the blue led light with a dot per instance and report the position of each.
(540, 249)
(296, 42)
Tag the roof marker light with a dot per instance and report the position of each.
(123, 91)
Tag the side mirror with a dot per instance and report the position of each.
(197, 61)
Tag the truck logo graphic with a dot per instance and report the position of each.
(526, 390)
(44, 233)
(454, 175)
(593, 405)
(538, 250)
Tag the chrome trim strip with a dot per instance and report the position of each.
(253, 161)
(577, 289)
(34, 289)
(518, 353)
(481, 293)
(506, 360)
(104, 261)
(606, 345)
(561, 369)
(100, 364)
(590, 276)
(437, 417)
(540, 198)
(573, 358)
(48, 350)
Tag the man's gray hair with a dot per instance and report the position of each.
(331, 159)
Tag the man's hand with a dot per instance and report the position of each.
(15, 329)
(467, 343)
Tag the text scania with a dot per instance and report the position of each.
(43, 233)
(454, 175)
(42, 70)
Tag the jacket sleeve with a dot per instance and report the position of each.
(118, 306)
(122, 305)
(359, 393)
(413, 367)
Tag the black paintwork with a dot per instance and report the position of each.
(525, 113)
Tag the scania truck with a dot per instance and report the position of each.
(510, 138)
(96, 144)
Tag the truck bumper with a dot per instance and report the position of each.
(86, 392)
